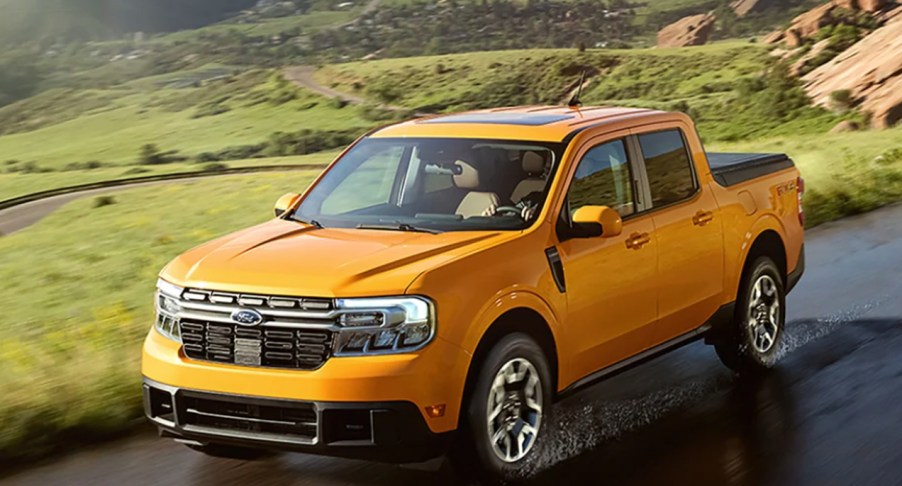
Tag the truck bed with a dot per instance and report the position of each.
(733, 168)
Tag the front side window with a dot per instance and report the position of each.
(433, 184)
(669, 168)
(603, 179)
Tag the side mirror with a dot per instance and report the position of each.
(589, 221)
(286, 202)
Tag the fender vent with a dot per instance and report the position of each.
(557, 268)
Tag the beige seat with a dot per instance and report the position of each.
(534, 166)
(475, 202)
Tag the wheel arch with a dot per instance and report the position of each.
(768, 243)
(526, 320)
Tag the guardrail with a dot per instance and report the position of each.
(16, 201)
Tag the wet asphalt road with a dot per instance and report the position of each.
(830, 414)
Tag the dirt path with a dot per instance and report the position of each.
(302, 76)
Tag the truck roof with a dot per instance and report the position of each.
(533, 123)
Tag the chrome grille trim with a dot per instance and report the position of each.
(296, 333)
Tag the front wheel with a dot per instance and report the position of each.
(751, 346)
(503, 421)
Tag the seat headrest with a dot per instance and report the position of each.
(533, 163)
(468, 178)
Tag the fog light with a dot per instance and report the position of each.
(357, 341)
(436, 411)
(385, 339)
(416, 334)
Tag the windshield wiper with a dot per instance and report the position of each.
(398, 227)
(312, 222)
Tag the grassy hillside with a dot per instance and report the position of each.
(192, 118)
(29, 20)
(724, 86)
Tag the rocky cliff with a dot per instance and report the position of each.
(870, 70)
(689, 31)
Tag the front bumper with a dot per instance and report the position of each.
(378, 431)
(432, 376)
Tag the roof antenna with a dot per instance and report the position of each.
(575, 101)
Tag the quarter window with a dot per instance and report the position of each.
(669, 168)
(603, 179)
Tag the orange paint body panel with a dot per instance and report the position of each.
(665, 275)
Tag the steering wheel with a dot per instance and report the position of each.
(508, 211)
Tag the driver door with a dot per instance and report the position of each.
(611, 290)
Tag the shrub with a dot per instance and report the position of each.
(385, 91)
(32, 167)
(214, 167)
(101, 201)
(211, 110)
(205, 157)
(136, 170)
(90, 165)
(841, 99)
(150, 154)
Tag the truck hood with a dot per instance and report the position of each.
(289, 258)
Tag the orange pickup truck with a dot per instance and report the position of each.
(447, 279)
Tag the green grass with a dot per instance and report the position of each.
(454, 80)
(134, 115)
(719, 84)
(847, 173)
(78, 308)
(15, 185)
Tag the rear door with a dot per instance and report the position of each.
(611, 285)
(688, 229)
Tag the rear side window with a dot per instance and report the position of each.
(669, 168)
(603, 179)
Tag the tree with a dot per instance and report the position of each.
(151, 155)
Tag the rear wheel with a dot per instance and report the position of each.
(751, 346)
(502, 426)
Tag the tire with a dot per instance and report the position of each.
(525, 405)
(753, 342)
(230, 452)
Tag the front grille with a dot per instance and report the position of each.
(295, 422)
(295, 333)
(259, 346)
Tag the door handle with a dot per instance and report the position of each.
(637, 240)
(702, 218)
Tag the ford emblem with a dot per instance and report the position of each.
(247, 317)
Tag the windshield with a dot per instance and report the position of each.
(433, 184)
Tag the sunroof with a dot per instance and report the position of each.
(530, 119)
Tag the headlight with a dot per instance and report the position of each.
(167, 307)
(384, 325)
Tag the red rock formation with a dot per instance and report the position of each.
(873, 5)
(809, 23)
(743, 7)
(689, 31)
(871, 70)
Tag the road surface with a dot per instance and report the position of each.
(829, 414)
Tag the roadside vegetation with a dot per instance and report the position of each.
(734, 90)
(79, 307)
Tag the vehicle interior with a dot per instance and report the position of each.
(443, 183)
